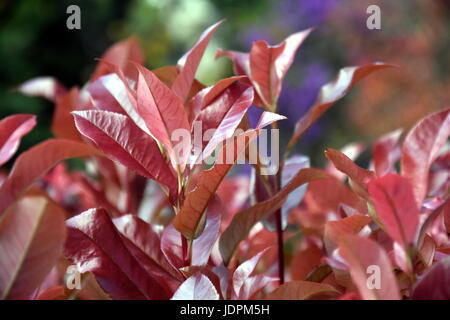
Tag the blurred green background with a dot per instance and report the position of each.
(34, 41)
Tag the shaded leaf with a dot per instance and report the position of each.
(32, 235)
(435, 283)
(243, 221)
(302, 290)
(196, 287)
(34, 163)
(95, 245)
(386, 152)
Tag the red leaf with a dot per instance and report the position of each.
(96, 246)
(171, 246)
(243, 272)
(368, 261)
(332, 92)
(243, 221)
(145, 245)
(386, 152)
(269, 64)
(12, 129)
(120, 54)
(162, 112)
(34, 163)
(435, 283)
(359, 176)
(188, 219)
(196, 287)
(302, 290)
(206, 96)
(188, 64)
(45, 87)
(117, 136)
(32, 235)
(396, 208)
(335, 229)
(421, 147)
(225, 115)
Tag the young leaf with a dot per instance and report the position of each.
(435, 283)
(421, 147)
(119, 137)
(269, 64)
(95, 245)
(396, 208)
(302, 290)
(243, 221)
(162, 112)
(32, 235)
(120, 54)
(332, 92)
(370, 268)
(359, 177)
(34, 163)
(12, 129)
(188, 64)
(196, 287)
(63, 126)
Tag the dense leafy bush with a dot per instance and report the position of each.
(153, 217)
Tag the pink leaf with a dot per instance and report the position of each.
(196, 287)
(370, 268)
(32, 235)
(396, 208)
(119, 137)
(302, 290)
(435, 283)
(421, 147)
(386, 153)
(12, 129)
(46, 87)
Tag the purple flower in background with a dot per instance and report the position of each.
(301, 14)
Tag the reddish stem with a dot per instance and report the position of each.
(280, 246)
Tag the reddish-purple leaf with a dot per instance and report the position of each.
(196, 287)
(63, 126)
(34, 163)
(302, 290)
(396, 208)
(332, 92)
(171, 246)
(45, 87)
(421, 147)
(95, 245)
(162, 112)
(12, 129)
(145, 245)
(435, 283)
(32, 234)
(386, 153)
(243, 221)
(188, 64)
(370, 268)
(119, 137)
(243, 273)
